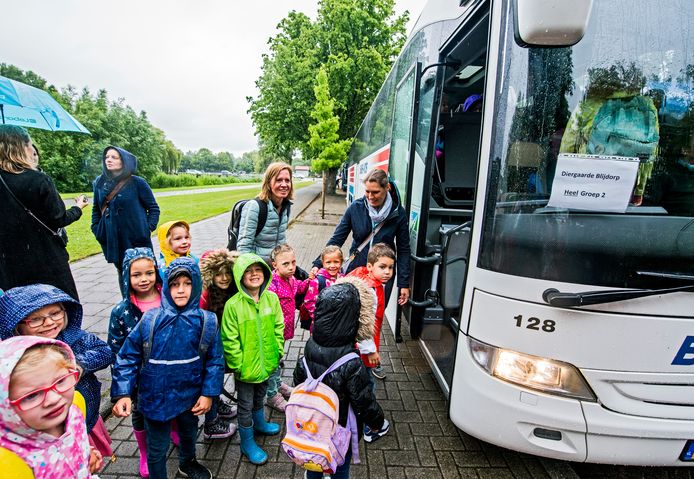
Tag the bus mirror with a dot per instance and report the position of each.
(551, 23)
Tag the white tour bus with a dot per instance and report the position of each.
(544, 151)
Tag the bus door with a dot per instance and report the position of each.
(444, 242)
(405, 170)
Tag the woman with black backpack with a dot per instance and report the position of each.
(272, 205)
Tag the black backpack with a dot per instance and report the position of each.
(235, 223)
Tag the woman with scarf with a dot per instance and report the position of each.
(125, 212)
(377, 217)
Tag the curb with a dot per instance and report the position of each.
(106, 405)
(296, 216)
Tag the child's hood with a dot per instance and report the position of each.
(243, 262)
(192, 268)
(344, 313)
(69, 454)
(164, 246)
(213, 261)
(324, 272)
(132, 255)
(129, 161)
(11, 351)
(18, 303)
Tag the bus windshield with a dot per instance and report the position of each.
(591, 175)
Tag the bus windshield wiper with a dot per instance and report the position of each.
(555, 297)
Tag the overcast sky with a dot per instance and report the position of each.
(189, 64)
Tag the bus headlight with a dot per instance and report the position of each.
(533, 372)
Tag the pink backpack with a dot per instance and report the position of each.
(315, 440)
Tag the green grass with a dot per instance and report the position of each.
(90, 194)
(191, 208)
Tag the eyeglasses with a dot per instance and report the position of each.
(38, 397)
(36, 321)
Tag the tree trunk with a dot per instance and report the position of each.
(322, 211)
(329, 177)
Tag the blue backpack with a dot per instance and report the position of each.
(625, 127)
(207, 336)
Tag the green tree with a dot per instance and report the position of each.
(172, 158)
(356, 41)
(328, 151)
(280, 112)
(74, 160)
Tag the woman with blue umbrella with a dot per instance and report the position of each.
(31, 247)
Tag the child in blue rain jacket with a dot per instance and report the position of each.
(21, 306)
(142, 285)
(174, 354)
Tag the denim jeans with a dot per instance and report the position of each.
(211, 415)
(274, 381)
(251, 397)
(342, 471)
(158, 442)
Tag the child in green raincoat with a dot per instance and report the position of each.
(253, 339)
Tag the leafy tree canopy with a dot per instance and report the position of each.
(324, 142)
(355, 41)
(74, 160)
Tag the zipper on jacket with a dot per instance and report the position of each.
(260, 334)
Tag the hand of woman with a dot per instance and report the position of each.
(81, 201)
(404, 296)
(123, 407)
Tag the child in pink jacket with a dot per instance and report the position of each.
(332, 263)
(286, 287)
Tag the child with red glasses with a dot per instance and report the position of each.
(43, 434)
(47, 312)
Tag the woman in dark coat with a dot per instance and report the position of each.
(128, 219)
(29, 251)
(380, 204)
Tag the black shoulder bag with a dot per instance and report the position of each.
(60, 233)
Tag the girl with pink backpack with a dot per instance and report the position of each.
(344, 315)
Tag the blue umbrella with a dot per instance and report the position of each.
(27, 106)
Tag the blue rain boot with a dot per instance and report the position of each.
(249, 448)
(262, 426)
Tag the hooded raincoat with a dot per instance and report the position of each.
(47, 456)
(175, 375)
(126, 314)
(130, 217)
(166, 254)
(91, 353)
(212, 262)
(344, 315)
(252, 333)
